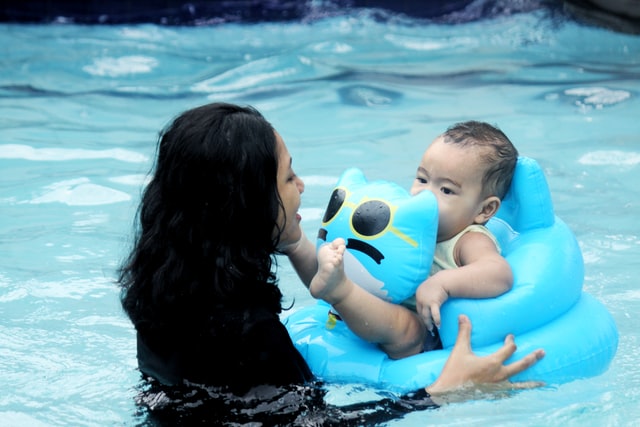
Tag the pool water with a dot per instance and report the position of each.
(80, 111)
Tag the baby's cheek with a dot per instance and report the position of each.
(416, 189)
(443, 225)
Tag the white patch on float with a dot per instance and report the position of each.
(360, 275)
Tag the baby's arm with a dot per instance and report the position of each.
(482, 273)
(397, 330)
(302, 255)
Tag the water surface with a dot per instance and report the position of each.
(81, 107)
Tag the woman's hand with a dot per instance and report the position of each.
(464, 369)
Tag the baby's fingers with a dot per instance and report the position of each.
(435, 314)
(425, 314)
(428, 322)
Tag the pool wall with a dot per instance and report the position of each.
(619, 15)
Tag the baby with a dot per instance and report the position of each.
(469, 169)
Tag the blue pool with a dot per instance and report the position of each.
(80, 111)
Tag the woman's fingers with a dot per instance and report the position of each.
(524, 363)
(464, 331)
(463, 340)
(525, 385)
(508, 348)
(506, 351)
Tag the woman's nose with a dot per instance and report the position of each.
(300, 184)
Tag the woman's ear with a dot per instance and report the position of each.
(489, 207)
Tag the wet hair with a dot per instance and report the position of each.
(206, 221)
(500, 155)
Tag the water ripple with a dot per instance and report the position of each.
(610, 157)
(25, 152)
(121, 66)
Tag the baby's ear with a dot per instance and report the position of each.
(490, 206)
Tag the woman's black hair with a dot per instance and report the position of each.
(207, 220)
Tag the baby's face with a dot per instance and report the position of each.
(454, 175)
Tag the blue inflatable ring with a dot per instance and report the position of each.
(547, 308)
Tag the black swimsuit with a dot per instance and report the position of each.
(239, 349)
(245, 369)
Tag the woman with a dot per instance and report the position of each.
(199, 284)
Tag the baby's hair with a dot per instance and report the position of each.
(500, 156)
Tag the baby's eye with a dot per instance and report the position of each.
(421, 180)
(446, 190)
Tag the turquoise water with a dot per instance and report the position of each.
(81, 106)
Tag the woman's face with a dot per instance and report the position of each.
(290, 187)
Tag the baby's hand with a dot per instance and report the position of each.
(430, 295)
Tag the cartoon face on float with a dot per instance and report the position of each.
(390, 235)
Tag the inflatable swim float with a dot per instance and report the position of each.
(546, 308)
